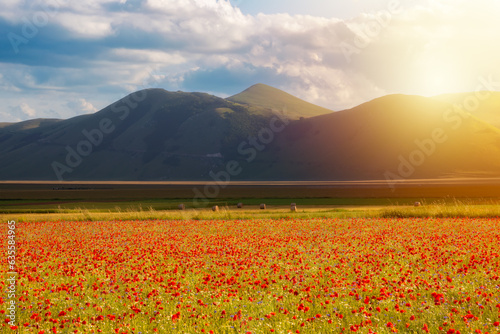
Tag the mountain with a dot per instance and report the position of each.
(259, 134)
(483, 105)
(269, 97)
(29, 124)
(393, 137)
(150, 134)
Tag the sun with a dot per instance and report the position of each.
(436, 76)
(437, 83)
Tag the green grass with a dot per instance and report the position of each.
(68, 205)
(225, 213)
(446, 208)
(276, 209)
(443, 211)
(172, 204)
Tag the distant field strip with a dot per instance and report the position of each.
(117, 190)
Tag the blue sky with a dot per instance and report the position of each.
(332, 9)
(62, 58)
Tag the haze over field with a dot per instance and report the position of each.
(61, 58)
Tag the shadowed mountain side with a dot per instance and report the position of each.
(391, 137)
(155, 135)
(149, 135)
(29, 124)
(269, 97)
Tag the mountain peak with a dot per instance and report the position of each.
(267, 96)
(261, 87)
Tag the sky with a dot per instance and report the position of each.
(63, 58)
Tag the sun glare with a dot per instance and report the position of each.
(437, 83)
(436, 77)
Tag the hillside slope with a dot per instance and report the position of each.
(269, 97)
(391, 137)
(160, 135)
(483, 105)
(149, 135)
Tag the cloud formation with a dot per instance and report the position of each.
(66, 58)
(23, 111)
(82, 106)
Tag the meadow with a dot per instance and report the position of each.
(261, 275)
(277, 208)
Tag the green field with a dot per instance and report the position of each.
(29, 210)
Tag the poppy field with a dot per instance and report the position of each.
(258, 276)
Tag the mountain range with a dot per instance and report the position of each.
(261, 133)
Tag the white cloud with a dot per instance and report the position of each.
(147, 56)
(81, 106)
(88, 26)
(425, 48)
(19, 112)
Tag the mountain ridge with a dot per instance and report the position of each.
(269, 97)
(155, 135)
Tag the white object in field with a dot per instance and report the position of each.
(293, 207)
